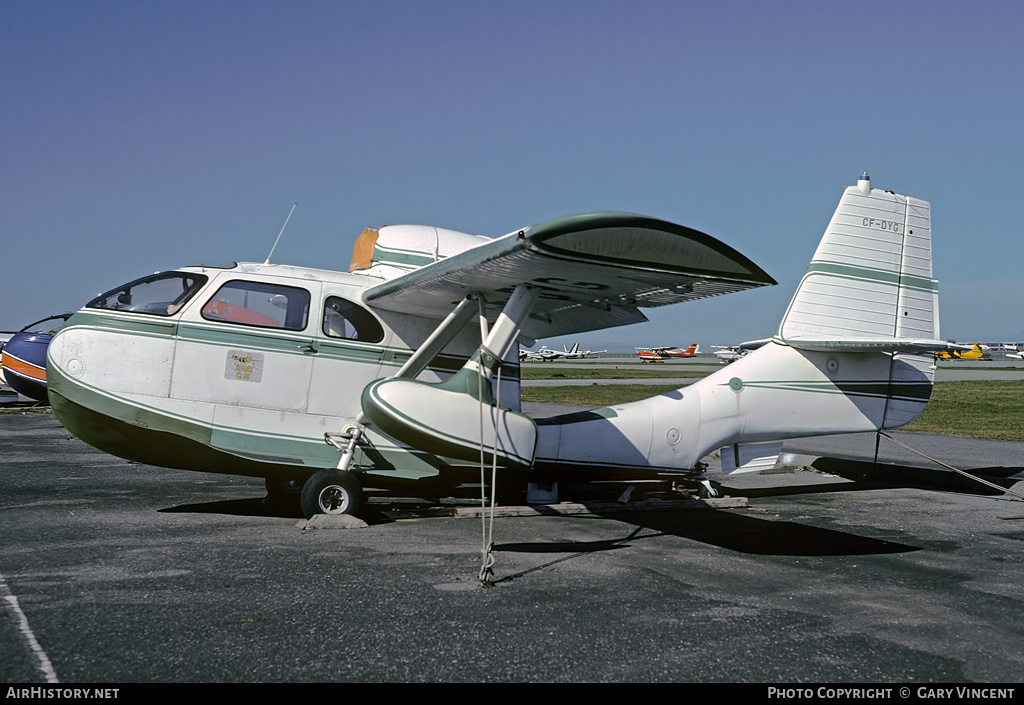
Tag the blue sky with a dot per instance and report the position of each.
(144, 135)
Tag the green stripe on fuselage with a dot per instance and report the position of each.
(399, 257)
(269, 340)
(910, 391)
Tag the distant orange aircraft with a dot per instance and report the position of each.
(659, 354)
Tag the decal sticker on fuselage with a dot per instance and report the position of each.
(245, 366)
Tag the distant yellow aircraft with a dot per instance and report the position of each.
(975, 353)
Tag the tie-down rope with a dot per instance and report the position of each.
(950, 467)
(487, 517)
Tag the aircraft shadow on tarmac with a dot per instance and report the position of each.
(869, 475)
(731, 530)
(726, 529)
(734, 531)
(248, 507)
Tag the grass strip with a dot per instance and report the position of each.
(635, 372)
(594, 394)
(979, 409)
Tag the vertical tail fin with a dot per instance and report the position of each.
(871, 276)
(869, 287)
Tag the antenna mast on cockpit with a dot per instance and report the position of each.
(280, 233)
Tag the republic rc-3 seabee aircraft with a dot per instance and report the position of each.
(405, 369)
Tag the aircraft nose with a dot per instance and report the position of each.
(70, 369)
(24, 362)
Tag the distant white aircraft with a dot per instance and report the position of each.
(1019, 355)
(546, 354)
(576, 353)
(727, 354)
(731, 353)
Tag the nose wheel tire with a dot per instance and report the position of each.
(331, 491)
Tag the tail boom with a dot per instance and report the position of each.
(854, 353)
(773, 393)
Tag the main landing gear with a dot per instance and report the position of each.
(331, 491)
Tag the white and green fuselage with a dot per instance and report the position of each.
(206, 393)
(248, 369)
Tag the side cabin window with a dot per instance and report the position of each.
(259, 304)
(158, 294)
(344, 319)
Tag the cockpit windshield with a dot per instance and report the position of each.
(158, 294)
(47, 326)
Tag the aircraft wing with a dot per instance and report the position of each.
(595, 271)
(752, 344)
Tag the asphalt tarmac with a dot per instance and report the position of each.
(838, 571)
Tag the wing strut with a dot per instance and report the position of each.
(499, 341)
(437, 340)
(428, 350)
(444, 418)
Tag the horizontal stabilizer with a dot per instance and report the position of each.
(906, 345)
(754, 344)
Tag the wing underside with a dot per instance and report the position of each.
(593, 270)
